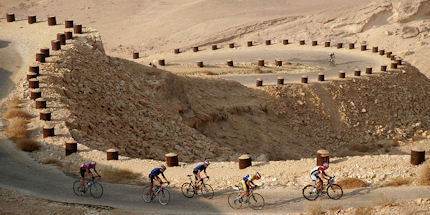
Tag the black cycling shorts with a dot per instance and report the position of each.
(83, 170)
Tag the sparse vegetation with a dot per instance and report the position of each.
(119, 175)
(363, 211)
(359, 147)
(52, 161)
(17, 128)
(16, 112)
(315, 209)
(398, 182)
(27, 145)
(14, 102)
(350, 183)
(424, 173)
(209, 73)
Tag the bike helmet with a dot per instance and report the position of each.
(206, 162)
(325, 165)
(93, 163)
(163, 167)
(257, 175)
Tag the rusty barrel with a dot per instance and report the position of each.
(45, 51)
(375, 49)
(285, 42)
(55, 45)
(112, 154)
(351, 46)
(45, 115)
(10, 17)
(40, 57)
(230, 63)
(77, 29)
(357, 72)
(214, 47)
(40, 103)
(363, 47)
(260, 62)
(31, 75)
(278, 62)
(195, 49)
(342, 74)
(383, 68)
(314, 43)
(382, 52)
(172, 159)
(135, 55)
(388, 54)
(268, 42)
(71, 147)
(162, 62)
(249, 43)
(304, 79)
(231, 45)
(399, 61)
(369, 70)
(320, 77)
(327, 44)
(31, 19)
(34, 69)
(259, 82)
(280, 81)
(176, 51)
(62, 38)
(33, 83)
(68, 23)
(199, 63)
(48, 131)
(245, 161)
(35, 94)
(418, 156)
(323, 156)
(339, 45)
(302, 42)
(69, 35)
(393, 65)
(52, 21)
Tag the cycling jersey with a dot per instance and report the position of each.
(249, 177)
(317, 170)
(85, 168)
(200, 167)
(155, 172)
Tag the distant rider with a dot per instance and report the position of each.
(332, 57)
(155, 175)
(86, 169)
(247, 182)
(198, 169)
(317, 173)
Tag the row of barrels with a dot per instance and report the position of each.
(52, 20)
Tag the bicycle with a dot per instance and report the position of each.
(158, 190)
(253, 200)
(190, 189)
(333, 191)
(96, 189)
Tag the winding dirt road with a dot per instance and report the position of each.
(18, 44)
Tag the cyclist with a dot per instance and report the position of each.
(198, 169)
(246, 183)
(154, 175)
(317, 173)
(332, 57)
(86, 168)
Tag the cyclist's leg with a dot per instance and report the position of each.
(245, 189)
(82, 171)
(198, 178)
(319, 183)
(151, 184)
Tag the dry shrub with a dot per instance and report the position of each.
(399, 181)
(257, 69)
(363, 211)
(315, 209)
(17, 128)
(15, 113)
(14, 102)
(52, 162)
(349, 183)
(424, 173)
(119, 175)
(408, 210)
(27, 145)
(359, 147)
(336, 209)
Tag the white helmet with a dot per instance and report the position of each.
(325, 165)
(258, 176)
(93, 163)
(206, 162)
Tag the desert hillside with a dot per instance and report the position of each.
(402, 26)
(146, 112)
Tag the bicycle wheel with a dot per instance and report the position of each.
(187, 190)
(77, 187)
(164, 196)
(309, 193)
(96, 190)
(207, 191)
(256, 201)
(233, 200)
(145, 195)
(334, 191)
